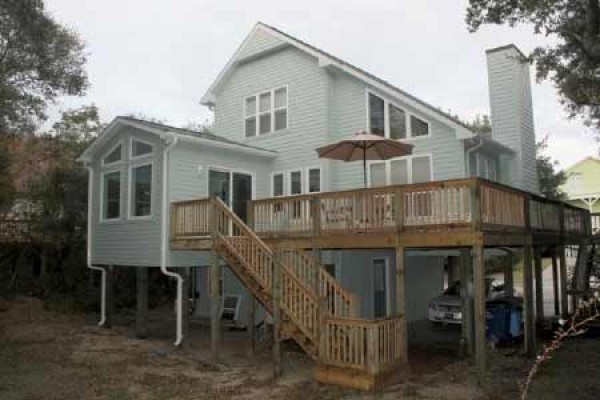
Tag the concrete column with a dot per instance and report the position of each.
(479, 307)
(141, 317)
(466, 294)
(215, 307)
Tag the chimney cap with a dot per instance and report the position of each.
(506, 47)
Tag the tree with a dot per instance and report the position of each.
(550, 179)
(6, 184)
(572, 57)
(481, 124)
(39, 60)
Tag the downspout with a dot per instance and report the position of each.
(89, 245)
(468, 154)
(171, 143)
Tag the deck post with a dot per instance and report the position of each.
(110, 296)
(250, 327)
(401, 295)
(539, 287)
(215, 306)
(529, 342)
(555, 284)
(141, 318)
(185, 306)
(564, 298)
(509, 284)
(466, 295)
(276, 290)
(479, 309)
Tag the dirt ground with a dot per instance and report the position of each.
(47, 355)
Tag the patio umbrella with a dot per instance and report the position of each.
(364, 146)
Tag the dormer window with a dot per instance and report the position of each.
(115, 155)
(266, 112)
(140, 148)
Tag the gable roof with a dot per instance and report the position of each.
(326, 60)
(163, 130)
(583, 160)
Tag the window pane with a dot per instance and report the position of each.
(265, 102)
(378, 174)
(280, 119)
(418, 127)
(399, 172)
(397, 123)
(250, 127)
(278, 185)
(265, 123)
(142, 190)
(314, 180)
(114, 156)
(376, 115)
(218, 184)
(140, 148)
(250, 106)
(296, 182)
(112, 195)
(281, 98)
(421, 169)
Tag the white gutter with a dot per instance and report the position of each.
(171, 143)
(89, 247)
(468, 154)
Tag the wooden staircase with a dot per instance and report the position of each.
(314, 310)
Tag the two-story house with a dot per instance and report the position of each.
(275, 102)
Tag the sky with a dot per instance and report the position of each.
(156, 58)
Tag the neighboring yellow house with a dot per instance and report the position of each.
(583, 184)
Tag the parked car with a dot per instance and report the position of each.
(447, 307)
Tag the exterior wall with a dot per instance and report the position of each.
(259, 42)
(189, 165)
(588, 178)
(307, 107)
(348, 114)
(125, 241)
(512, 113)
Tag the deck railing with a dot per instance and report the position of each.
(432, 206)
(366, 345)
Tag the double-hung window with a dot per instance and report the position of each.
(111, 198)
(266, 112)
(391, 121)
(140, 179)
(295, 182)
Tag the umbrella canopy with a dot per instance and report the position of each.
(364, 146)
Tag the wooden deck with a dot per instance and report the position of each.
(453, 213)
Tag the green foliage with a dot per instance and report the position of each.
(39, 60)
(6, 183)
(480, 124)
(571, 59)
(550, 178)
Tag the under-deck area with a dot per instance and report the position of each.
(466, 216)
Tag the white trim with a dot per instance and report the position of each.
(386, 118)
(103, 220)
(257, 113)
(387, 275)
(135, 139)
(409, 167)
(130, 205)
(121, 143)
(307, 178)
(230, 171)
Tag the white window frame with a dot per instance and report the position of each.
(272, 176)
(231, 171)
(386, 118)
(409, 168)
(114, 163)
(130, 206)
(289, 180)
(307, 178)
(272, 110)
(102, 206)
(134, 139)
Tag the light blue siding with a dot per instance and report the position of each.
(259, 42)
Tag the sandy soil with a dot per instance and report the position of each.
(45, 355)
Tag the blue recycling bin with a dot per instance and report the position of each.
(503, 319)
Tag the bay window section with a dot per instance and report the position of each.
(141, 190)
(115, 155)
(376, 115)
(397, 122)
(111, 199)
(418, 127)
